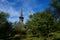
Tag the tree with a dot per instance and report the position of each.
(55, 5)
(41, 22)
(55, 10)
(5, 26)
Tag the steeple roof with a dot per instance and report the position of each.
(21, 14)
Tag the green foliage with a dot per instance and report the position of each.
(41, 22)
(5, 26)
(3, 15)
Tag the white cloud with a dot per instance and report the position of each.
(10, 10)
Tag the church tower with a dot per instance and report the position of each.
(20, 25)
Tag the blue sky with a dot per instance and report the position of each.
(28, 6)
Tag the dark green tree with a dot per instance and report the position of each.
(55, 7)
(5, 26)
(55, 10)
(41, 22)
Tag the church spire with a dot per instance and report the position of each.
(21, 13)
(21, 16)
